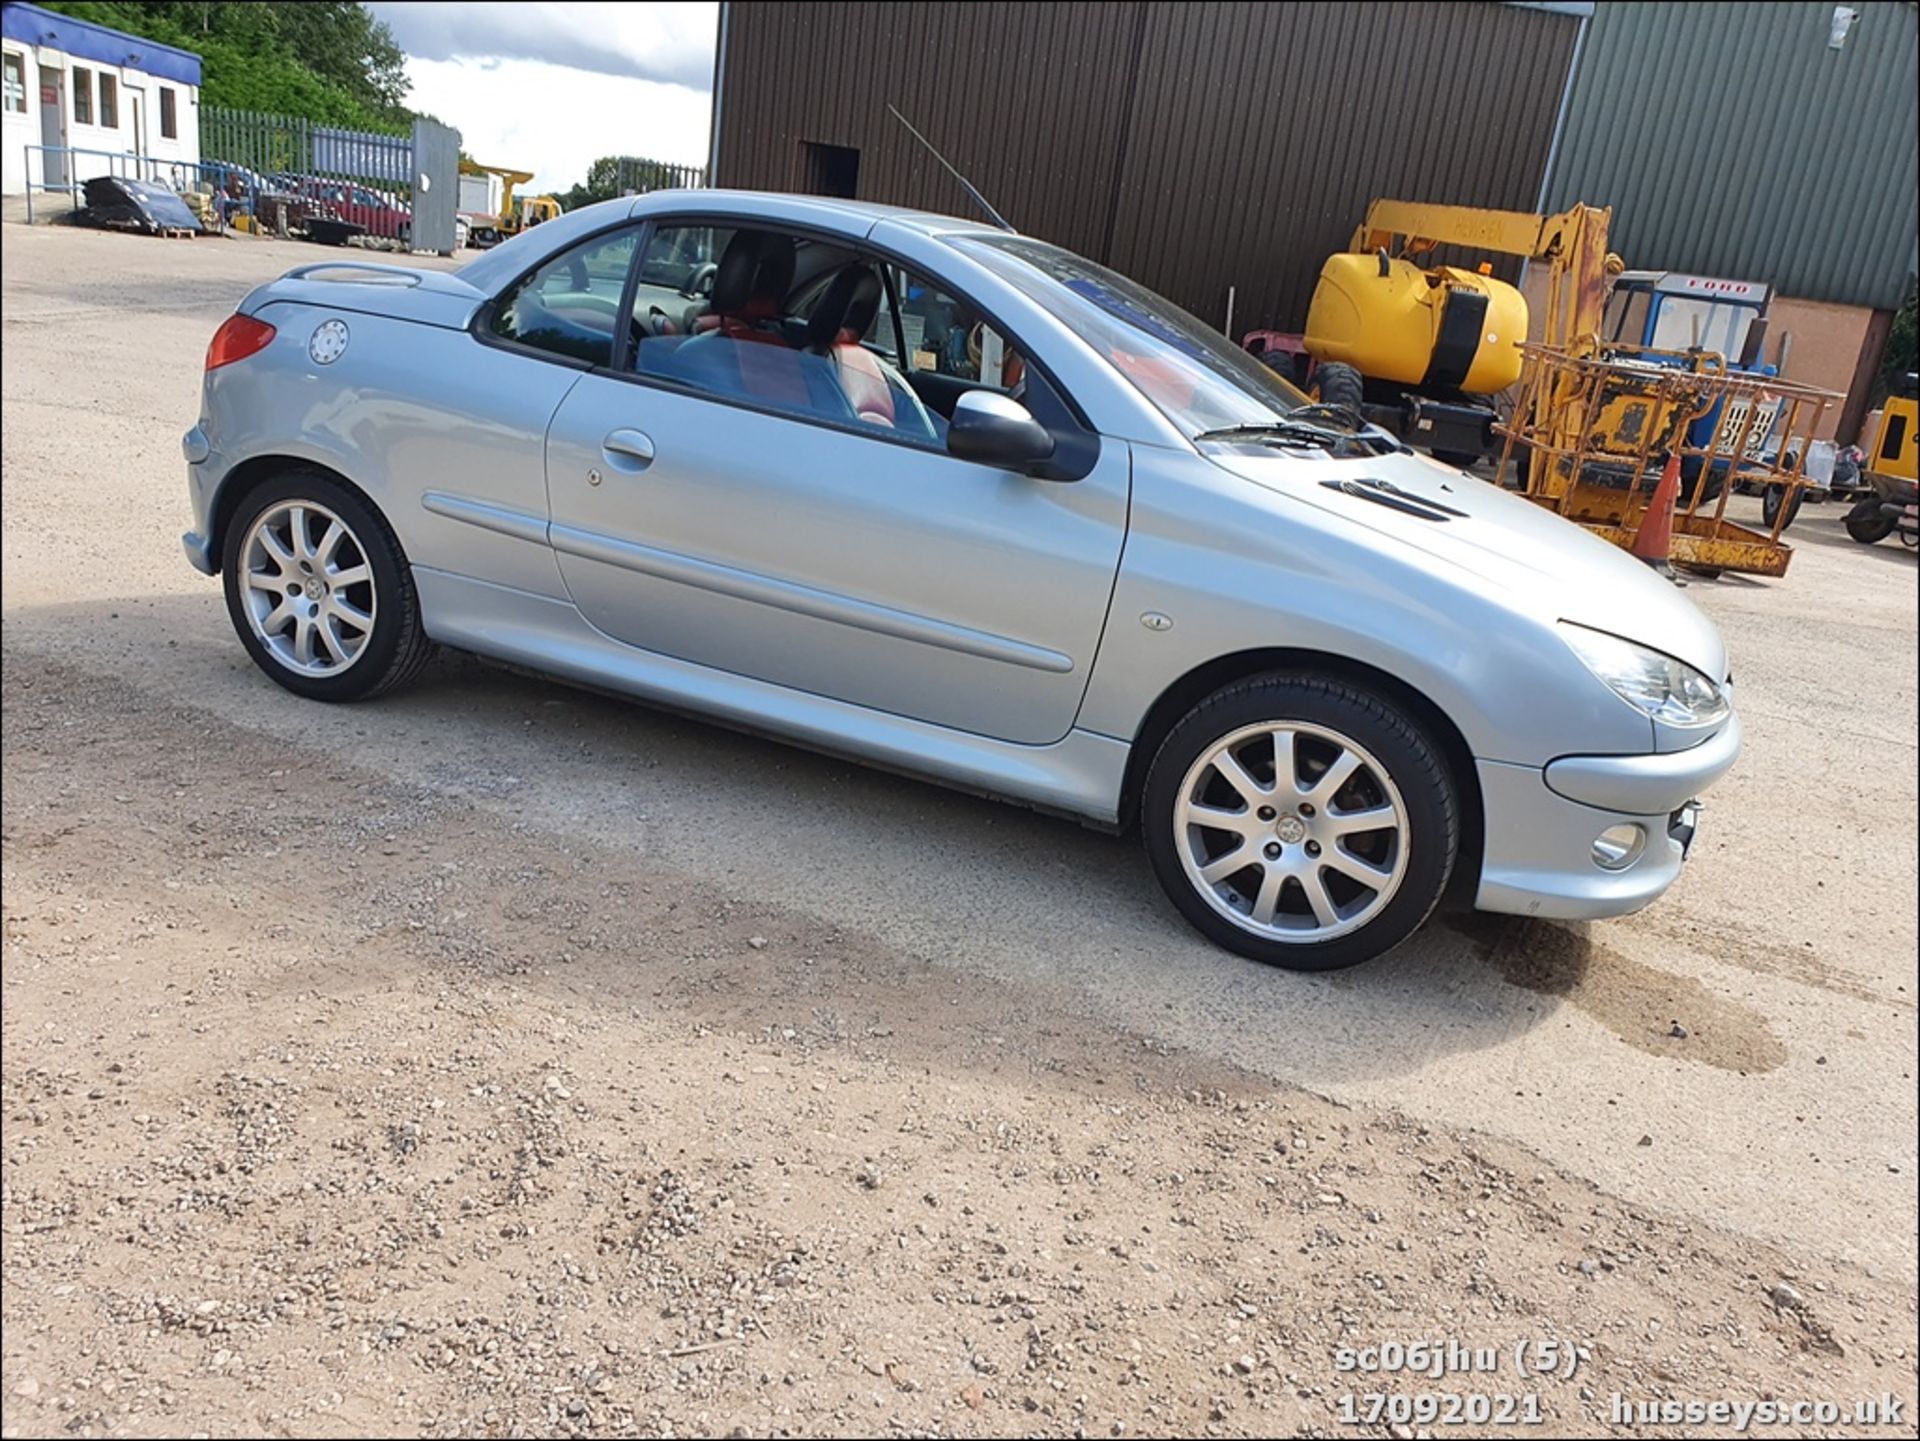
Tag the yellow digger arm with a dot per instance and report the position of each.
(1504, 232)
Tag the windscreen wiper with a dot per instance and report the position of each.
(1277, 430)
(1347, 416)
(1354, 420)
(1295, 432)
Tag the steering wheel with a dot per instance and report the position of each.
(699, 285)
(1010, 359)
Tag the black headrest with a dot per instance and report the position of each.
(755, 273)
(849, 303)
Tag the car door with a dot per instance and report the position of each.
(769, 540)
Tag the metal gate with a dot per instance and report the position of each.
(337, 186)
(436, 186)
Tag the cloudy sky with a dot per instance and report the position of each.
(552, 87)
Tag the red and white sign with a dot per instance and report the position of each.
(1706, 285)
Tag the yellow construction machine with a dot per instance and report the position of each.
(489, 223)
(1890, 470)
(1423, 348)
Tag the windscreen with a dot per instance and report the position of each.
(1198, 378)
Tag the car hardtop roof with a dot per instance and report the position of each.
(854, 216)
(855, 219)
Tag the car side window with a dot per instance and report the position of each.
(570, 305)
(946, 336)
(774, 320)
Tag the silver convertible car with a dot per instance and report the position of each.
(958, 502)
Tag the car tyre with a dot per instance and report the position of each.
(319, 591)
(1868, 523)
(1393, 815)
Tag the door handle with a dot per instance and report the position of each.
(629, 450)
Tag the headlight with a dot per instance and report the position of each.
(1657, 685)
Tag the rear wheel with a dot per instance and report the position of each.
(1868, 523)
(319, 591)
(1301, 821)
(1335, 383)
(1772, 498)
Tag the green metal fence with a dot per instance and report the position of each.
(636, 176)
(288, 144)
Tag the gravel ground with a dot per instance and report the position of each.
(501, 1059)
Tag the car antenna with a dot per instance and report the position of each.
(965, 184)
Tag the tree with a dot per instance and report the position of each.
(1903, 338)
(603, 179)
(346, 45)
(324, 60)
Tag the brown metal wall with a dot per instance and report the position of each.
(1192, 146)
(1025, 99)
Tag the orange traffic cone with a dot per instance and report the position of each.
(1653, 541)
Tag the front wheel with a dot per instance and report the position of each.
(1301, 821)
(319, 591)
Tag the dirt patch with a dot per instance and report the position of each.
(1641, 1004)
(336, 1106)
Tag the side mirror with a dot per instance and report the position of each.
(997, 431)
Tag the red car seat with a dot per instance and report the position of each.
(841, 316)
(735, 350)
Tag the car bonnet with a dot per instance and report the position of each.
(1556, 569)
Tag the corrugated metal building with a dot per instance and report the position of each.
(1733, 139)
(1775, 141)
(1199, 147)
(1194, 147)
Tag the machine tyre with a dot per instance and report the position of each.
(1335, 383)
(1771, 500)
(1867, 523)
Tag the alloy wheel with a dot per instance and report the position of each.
(308, 588)
(1293, 832)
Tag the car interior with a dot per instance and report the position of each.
(778, 320)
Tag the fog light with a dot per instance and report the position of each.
(1618, 847)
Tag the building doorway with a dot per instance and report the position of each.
(831, 169)
(136, 96)
(53, 127)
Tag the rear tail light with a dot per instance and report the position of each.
(238, 337)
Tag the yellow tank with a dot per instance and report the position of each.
(1441, 328)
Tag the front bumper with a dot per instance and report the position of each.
(1541, 824)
